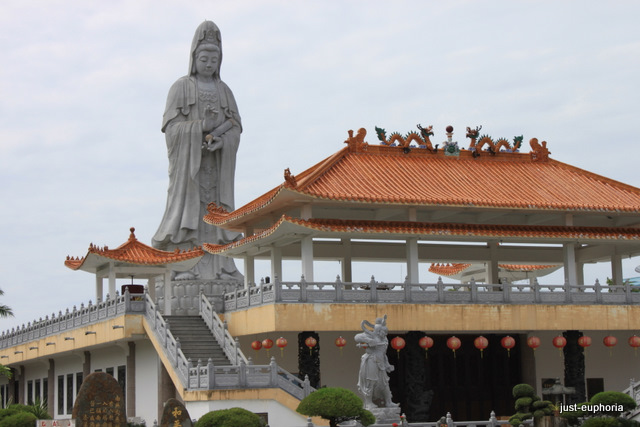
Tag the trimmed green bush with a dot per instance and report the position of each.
(614, 398)
(515, 421)
(523, 402)
(232, 417)
(601, 422)
(523, 390)
(20, 419)
(336, 405)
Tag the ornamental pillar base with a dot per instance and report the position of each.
(386, 415)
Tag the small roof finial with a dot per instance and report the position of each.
(132, 236)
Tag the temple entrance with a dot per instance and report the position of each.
(469, 385)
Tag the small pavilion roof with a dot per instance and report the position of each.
(134, 253)
(389, 230)
(386, 175)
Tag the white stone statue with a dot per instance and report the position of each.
(202, 129)
(373, 379)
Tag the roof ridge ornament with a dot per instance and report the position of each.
(290, 178)
(396, 139)
(539, 153)
(357, 143)
(493, 147)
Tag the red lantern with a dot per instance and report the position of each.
(256, 345)
(340, 342)
(310, 342)
(481, 343)
(533, 342)
(584, 341)
(508, 343)
(398, 344)
(454, 343)
(559, 342)
(426, 343)
(282, 343)
(610, 341)
(267, 344)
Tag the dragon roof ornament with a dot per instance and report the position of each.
(479, 143)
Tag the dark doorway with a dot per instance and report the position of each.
(469, 385)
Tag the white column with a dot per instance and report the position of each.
(570, 271)
(151, 285)
(616, 269)
(493, 272)
(412, 260)
(168, 292)
(99, 281)
(580, 272)
(306, 247)
(346, 261)
(305, 212)
(112, 280)
(249, 271)
(276, 263)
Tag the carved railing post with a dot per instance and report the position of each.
(277, 288)
(440, 289)
(237, 352)
(306, 386)
(373, 288)
(339, 289)
(598, 288)
(627, 291)
(449, 420)
(273, 368)
(567, 290)
(493, 422)
(303, 289)
(536, 290)
(474, 290)
(178, 345)
(407, 289)
(506, 291)
(211, 375)
(127, 300)
(242, 373)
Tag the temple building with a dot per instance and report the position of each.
(488, 215)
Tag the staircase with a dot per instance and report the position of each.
(196, 340)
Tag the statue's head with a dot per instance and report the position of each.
(207, 39)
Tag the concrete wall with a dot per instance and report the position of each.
(146, 382)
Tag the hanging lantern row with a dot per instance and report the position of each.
(454, 343)
(585, 341)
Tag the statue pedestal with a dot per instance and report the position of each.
(386, 415)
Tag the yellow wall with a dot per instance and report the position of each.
(435, 318)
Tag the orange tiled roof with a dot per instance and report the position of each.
(391, 175)
(135, 252)
(456, 268)
(392, 229)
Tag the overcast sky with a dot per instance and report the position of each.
(83, 87)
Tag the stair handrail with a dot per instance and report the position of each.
(170, 345)
(229, 345)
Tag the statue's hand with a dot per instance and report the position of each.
(208, 122)
(212, 143)
(391, 368)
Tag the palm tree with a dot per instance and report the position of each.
(5, 310)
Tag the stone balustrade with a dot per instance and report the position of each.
(72, 319)
(428, 293)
